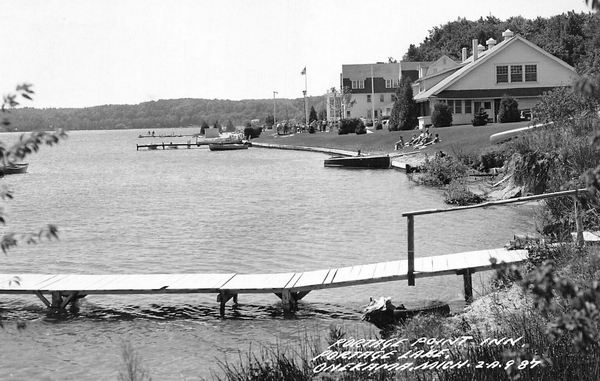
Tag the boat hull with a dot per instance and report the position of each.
(227, 147)
(14, 169)
(358, 161)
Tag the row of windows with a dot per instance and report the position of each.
(389, 84)
(382, 98)
(456, 106)
(516, 73)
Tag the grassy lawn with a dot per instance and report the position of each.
(467, 137)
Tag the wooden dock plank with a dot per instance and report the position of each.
(310, 278)
(257, 283)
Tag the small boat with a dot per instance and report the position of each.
(383, 314)
(375, 161)
(14, 168)
(227, 147)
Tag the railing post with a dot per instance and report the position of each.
(578, 222)
(411, 250)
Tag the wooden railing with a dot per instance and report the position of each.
(411, 219)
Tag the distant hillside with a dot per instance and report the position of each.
(572, 37)
(169, 113)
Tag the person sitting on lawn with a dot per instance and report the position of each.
(399, 144)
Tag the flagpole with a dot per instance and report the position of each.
(372, 97)
(305, 92)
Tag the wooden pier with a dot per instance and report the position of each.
(187, 145)
(58, 291)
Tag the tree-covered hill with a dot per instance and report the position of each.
(169, 113)
(572, 37)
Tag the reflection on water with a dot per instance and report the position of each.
(183, 211)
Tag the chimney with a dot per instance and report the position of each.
(474, 43)
(464, 54)
(507, 34)
(480, 48)
(490, 43)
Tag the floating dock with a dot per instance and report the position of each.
(66, 289)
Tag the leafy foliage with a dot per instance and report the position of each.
(441, 115)
(167, 113)
(312, 114)
(509, 110)
(349, 126)
(562, 103)
(480, 118)
(404, 112)
(441, 170)
(570, 36)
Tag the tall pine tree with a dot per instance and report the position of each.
(404, 113)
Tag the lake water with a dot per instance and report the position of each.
(125, 211)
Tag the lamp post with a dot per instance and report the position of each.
(305, 109)
(274, 118)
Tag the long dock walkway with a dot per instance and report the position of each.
(331, 151)
(66, 289)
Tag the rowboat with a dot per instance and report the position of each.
(374, 161)
(14, 168)
(227, 147)
(383, 314)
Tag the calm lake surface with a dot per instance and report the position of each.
(182, 211)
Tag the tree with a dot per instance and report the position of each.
(441, 115)
(230, 127)
(9, 155)
(203, 127)
(509, 110)
(217, 125)
(312, 115)
(480, 118)
(404, 112)
(323, 114)
(269, 121)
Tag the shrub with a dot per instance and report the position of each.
(560, 104)
(404, 113)
(441, 170)
(348, 126)
(442, 115)
(379, 126)
(480, 118)
(457, 193)
(252, 132)
(509, 110)
(491, 158)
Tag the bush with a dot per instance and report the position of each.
(349, 126)
(379, 126)
(441, 170)
(509, 110)
(492, 158)
(442, 115)
(457, 193)
(480, 118)
(252, 132)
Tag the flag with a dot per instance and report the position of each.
(303, 72)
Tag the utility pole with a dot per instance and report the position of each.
(304, 93)
(274, 118)
(372, 97)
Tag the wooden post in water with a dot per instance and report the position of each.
(411, 250)
(468, 284)
(578, 222)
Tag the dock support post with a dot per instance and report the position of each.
(411, 250)
(223, 298)
(468, 284)
(578, 222)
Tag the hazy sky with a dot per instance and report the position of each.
(92, 52)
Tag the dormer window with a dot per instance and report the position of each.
(516, 73)
(360, 84)
(530, 73)
(502, 74)
(389, 83)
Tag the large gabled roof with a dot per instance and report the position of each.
(482, 58)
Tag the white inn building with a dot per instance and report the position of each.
(515, 67)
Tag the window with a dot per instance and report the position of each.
(468, 107)
(368, 98)
(388, 83)
(458, 107)
(501, 74)
(477, 106)
(348, 114)
(396, 83)
(516, 73)
(381, 98)
(360, 84)
(487, 105)
(450, 104)
(530, 73)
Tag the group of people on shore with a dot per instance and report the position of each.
(422, 140)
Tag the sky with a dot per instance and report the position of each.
(95, 52)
